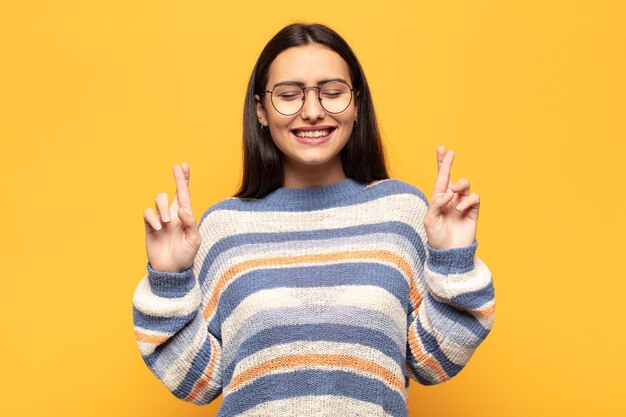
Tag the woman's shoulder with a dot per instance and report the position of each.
(227, 209)
(394, 187)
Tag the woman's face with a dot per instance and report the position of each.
(309, 64)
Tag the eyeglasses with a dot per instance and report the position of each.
(288, 98)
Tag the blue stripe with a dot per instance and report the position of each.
(401, 229)
(339, 315)
(431, 346)
(170, 284)
(460, 326)
(168, 325)
(348, 273)
(317, 332)
(452, 261)
(474, 299)
(313, 382)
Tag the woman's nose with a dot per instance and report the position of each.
(312, 108)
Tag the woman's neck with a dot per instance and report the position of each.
(306, 176)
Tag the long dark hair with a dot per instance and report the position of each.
(362, 157)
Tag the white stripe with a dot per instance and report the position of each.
(317, 405)
(404, 207)
(154, 305)
(364, 296)
(146, 348)
(444, 287)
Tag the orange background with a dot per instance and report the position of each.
(98, 99)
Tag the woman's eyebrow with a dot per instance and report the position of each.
(300, 83)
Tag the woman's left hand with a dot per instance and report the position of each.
(450, 221)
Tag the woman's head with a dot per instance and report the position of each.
(308, 55)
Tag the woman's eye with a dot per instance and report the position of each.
(289, 96)
(331, 94)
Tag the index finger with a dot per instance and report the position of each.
(441, 152)
(443, 177)
(185, 167)
(182, 187)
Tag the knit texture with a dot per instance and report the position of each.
(314, 301)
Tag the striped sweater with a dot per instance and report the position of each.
(314, 301)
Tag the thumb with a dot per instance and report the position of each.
(441, 199)
(192, 234)
(186, 217)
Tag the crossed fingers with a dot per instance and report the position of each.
(182, 199)
(443, 182)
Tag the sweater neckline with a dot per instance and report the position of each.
(315, 197)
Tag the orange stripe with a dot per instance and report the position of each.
(425, 357)
(238, 269)
(485, 312)
(293, 361)
(206, 375)
(148, 338)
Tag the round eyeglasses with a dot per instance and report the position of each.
(288, 98)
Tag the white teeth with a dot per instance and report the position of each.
(312, 133)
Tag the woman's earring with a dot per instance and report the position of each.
(264, 128)
(355, 121)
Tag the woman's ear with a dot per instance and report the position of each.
(260, 110)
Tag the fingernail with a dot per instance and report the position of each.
(166, 218)
(158, 226)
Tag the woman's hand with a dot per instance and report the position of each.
(172, 236)
(450, 221)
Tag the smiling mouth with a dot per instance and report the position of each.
(317, 133)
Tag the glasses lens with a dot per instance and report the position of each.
(335, 96)
(287, 99)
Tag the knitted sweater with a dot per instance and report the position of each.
(314, 301)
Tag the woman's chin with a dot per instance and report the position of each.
(315, 159)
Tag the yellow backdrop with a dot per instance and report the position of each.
(98, 99)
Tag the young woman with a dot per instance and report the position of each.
(322, 285)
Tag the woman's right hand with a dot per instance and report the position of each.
(172, 236)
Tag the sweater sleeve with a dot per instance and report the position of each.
(454, 312)
(173, 336)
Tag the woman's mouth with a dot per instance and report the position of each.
(313, 137)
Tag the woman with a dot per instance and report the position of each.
(322, 285)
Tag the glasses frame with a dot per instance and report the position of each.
(304, 88)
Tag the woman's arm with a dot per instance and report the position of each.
(454, 309)
(173, 336)
(454, 313)
(171, 329)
